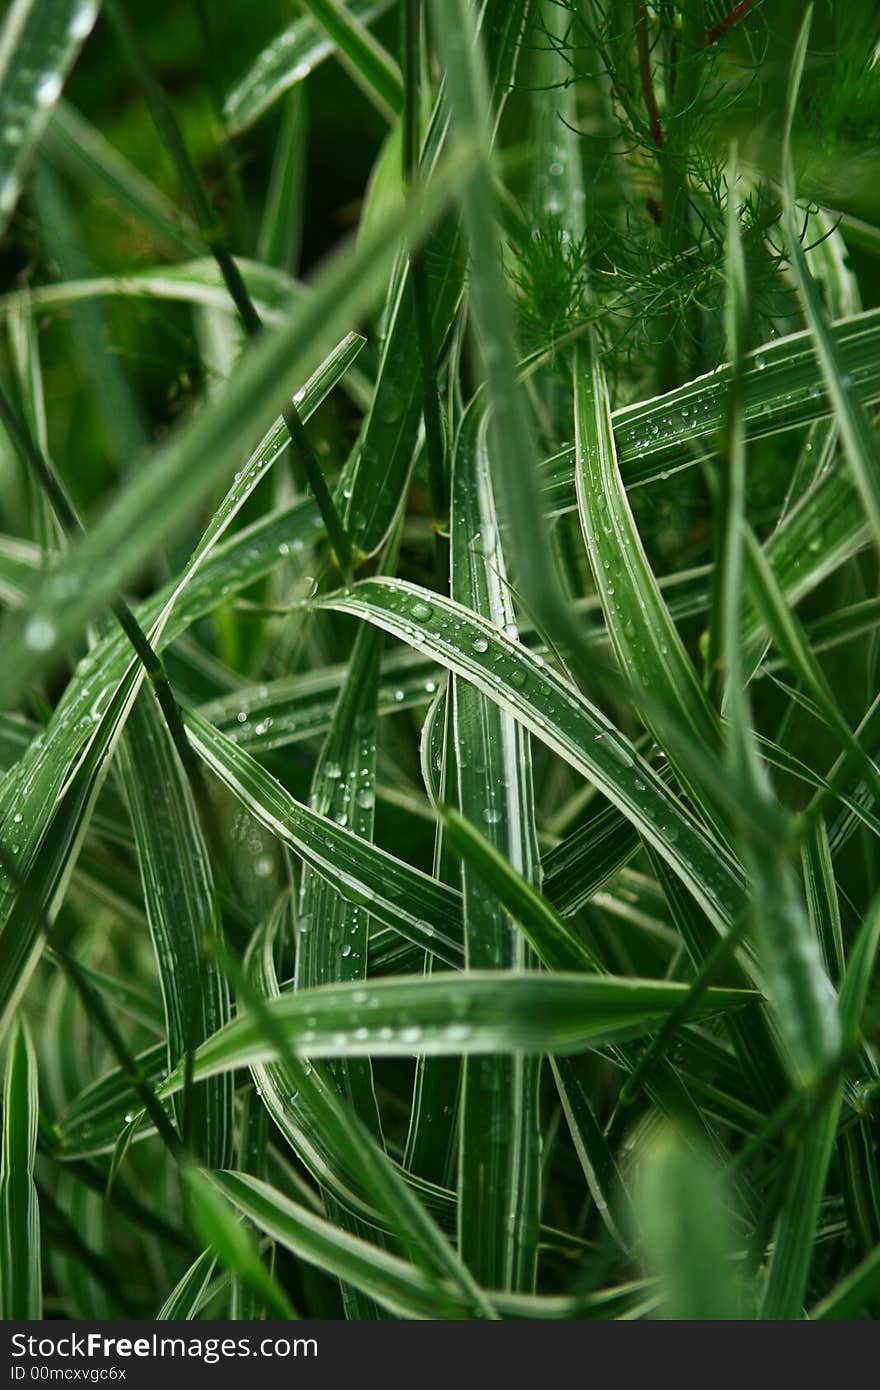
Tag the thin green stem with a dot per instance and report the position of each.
(435, 442)
(212, 231)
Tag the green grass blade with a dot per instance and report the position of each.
(79, 148)
(92, 1122)
(855, 1292)
(157, 499)
(27, 800)
(185, 1299)
(783, 389)
(181, 911)
(287, 60)
(401, 897)
(559, 716)
(20, 1270)
(499, 1173)
(647, 644)
(591, 1146)
(551, 938)
(361, 53)
(467, 94)
(283, 215)
(39, 44)
(393, 1282)
(795, 1233)
(385, 452)
(232, 1243)
(858, 437)
(797, 985)
(687, 1231)
(333, 934)
(291, 708)
(472, 1013)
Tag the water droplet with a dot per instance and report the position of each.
(48, 89)
(39, 634)
(422, 612)
(480, 644)
(366, 797)
(82, 20)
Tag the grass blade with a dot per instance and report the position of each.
(39, 44)
(210, 444)
(469, 1014)
(20, 1274)
(499, 1172)
(182, 913)
(374, 68)
(559, 716)
(288, 60)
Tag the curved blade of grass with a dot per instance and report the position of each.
(27, 799)
(353, 1148)
(231, 1241)
(559, 716)
(44, 845)
(155, 501)
(20, 1271)
(373, 67)
(790, 640)
(645, 639)
(332, 934)
(181, 911)
(284, 711)
(855, 1292)
(287, 60)
(783, 388)
(92, 1122)
(858, 437)
(795, 1234)
(499, 1169)
(469, 1013)
(401, 897)
(551, 938)
(396, 1284)
(797, 985)
(197, 282)
(385, 452)
(187, 1297)
(687, 1231)
(79, 148)
(39, 44)
(467, 93)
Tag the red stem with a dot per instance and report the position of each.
(720, 29)
(645, 72)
